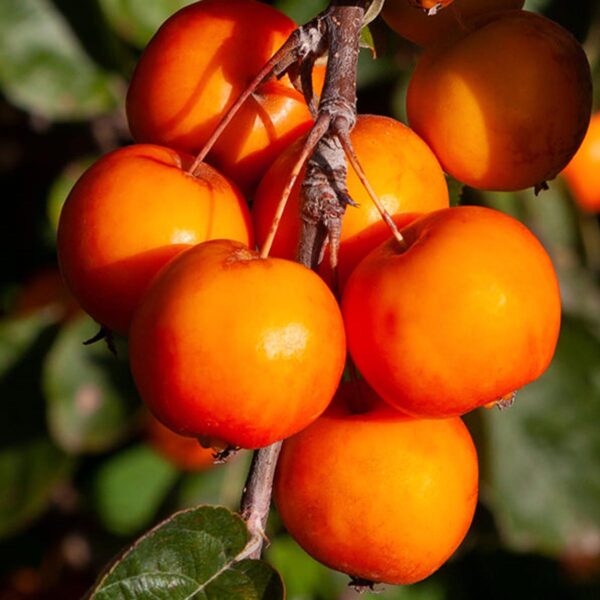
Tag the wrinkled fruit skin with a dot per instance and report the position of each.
(454, 21)
(405, 175)
(466, 314)
(459, 93)
(378, 495)
(129, 214)
(236, 349)
(193, 70)
(583, 172)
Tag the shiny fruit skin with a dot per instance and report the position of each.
(582, 174)
(455, 20)
(129, 214)
(378, 495)
(195, 67)
(506, 106)
(237, 349)
(401, 168)
(185, 453)
(468, 313)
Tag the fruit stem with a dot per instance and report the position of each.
(269, 69)
(385, 215)
(317, 131)
(256, 498)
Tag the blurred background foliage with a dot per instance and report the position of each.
(78, 477)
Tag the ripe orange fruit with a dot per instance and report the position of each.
(184, 452)
(237, 349)
(378, 495)
(582, 174)
(467, 313)
(193, 70)
(455, 20)
(402, 170)
(506, 106)
(129, 214)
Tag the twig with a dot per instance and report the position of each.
(256, 498)
(385, 215)
(312, 140)
(325, 196)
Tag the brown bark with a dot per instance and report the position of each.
(325, 196)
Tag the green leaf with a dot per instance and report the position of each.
(542, 463)
(62, 186)
(43, 68)
(455, 190)
(301, 12)
(307, 579)
(367, 41)
(17, 336)
(220, 484)
(136, 21)
(304, 577)
(373, 10)
(537, 5)
(193, 554)
(23, 346)
(130, 487)
(29, 474)
(90, 395)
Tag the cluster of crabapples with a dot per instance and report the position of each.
(239, 349)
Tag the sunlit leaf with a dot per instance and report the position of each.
(367, 41)
(138, 20)
(43, 68)
(373, 10)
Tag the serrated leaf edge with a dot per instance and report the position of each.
(247, 549)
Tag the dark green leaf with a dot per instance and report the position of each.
(536, 5)
(90, 394)
(29, 474)
(455, 190)
(301, 12)
(130, 487)
(542, 465)
(23, 346)
(137, 20)
(193, 554)
(43, 68)
(62, 186)
(17, 336)
(374, 71)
